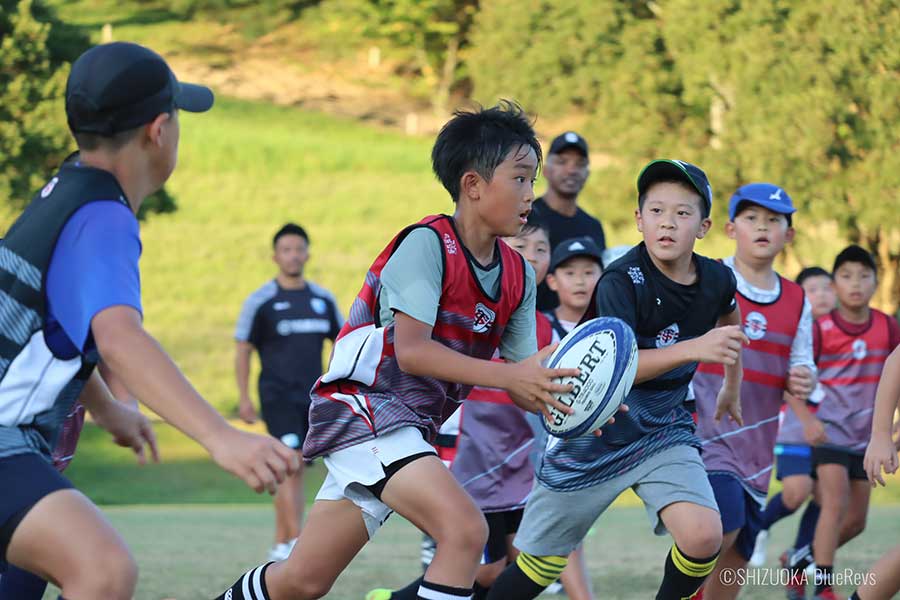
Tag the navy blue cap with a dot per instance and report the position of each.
(767, 195)
(579, 246)
(665, 169)
(854, 253)
(567, 140)
(119, 86)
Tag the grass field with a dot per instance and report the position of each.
(190, 552)
(218, 528)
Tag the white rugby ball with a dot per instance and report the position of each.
(605, 351)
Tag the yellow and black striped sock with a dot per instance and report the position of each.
(684, 575)
(527, 577)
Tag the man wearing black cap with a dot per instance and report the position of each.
(566, 170)
(69, 295)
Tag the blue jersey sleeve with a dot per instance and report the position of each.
(94, 266)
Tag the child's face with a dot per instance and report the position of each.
(504, 202)
(574, 281)
(670, 221)
(760, 233)
(291, 254)
(534, 246)
(854, 284)
(821, 295)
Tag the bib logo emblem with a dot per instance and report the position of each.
(484, 318)
(449, 244)
(755, 326)
(318, 305)
(667, 336)
(48, 189)
(859, 349)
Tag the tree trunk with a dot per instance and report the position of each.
(448, 75)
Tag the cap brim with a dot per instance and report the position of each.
(775, 207)
(663, 169)
(565, 146)
(194, 98)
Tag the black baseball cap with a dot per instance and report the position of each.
(119, 86)
(567, 140)
(665, 169)
(854, 253)
(579, 246)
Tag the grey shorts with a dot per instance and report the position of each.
(555, 522)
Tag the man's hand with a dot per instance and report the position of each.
(801, 382)
(261, 461)
(721, 345)
(246, 411)
(531, 386)
(129, 429)
(814, 432)
(728, 402)
(881, 455)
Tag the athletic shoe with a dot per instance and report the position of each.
(795, 590)
(758, 558)
(280, 551)
(555, 588)
(828, 594)
(379, 594)
(698, 595)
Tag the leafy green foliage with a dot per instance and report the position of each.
(33, 134)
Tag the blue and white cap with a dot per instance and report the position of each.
(767, 195)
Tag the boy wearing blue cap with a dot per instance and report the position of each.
(777, 318)
(656, 288)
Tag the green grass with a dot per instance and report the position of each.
(190, 552)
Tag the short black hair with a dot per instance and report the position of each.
(704, 207)
(535, 223)
(857, 254)
(480, 139)
(95, 141)
(290, 229)
(809, 272)
(745, 204)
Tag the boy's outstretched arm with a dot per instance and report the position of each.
(882, 453)
(149, 374)
(125, 422)
(529, 384)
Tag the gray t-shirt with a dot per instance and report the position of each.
(412, 281)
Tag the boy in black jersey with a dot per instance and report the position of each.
(682, 309)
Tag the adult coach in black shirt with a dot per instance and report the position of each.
(566, 170)
(286, 321)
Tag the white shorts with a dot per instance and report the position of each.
(350, 470)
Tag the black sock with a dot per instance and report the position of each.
(480, 592)
(410, 592)
(436, 591)
(855, 596)
(254, 581)
(514, 583)
(684, 575)
(824, 577)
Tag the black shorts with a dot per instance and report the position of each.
(500, 525)
(25, 479)
(834, 456)
(285, 411)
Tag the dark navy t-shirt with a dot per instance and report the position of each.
(288, 329)
(661, 312)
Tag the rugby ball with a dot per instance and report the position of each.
(605, 351)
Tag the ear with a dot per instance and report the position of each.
(638, 221)
(730, 230)
(155, 129)
(552, 283)
(705, 224)
(789, 235)
(470, 185)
